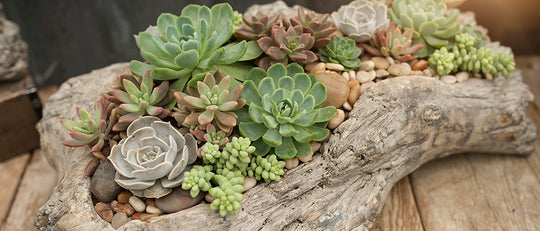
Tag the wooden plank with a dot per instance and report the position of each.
(35, 188)
(400, 211)
(11, 171)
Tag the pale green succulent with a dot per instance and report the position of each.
(229, 192)
(192, 43)
(198, 179)
(443, 61)
(268, 168)
(433, 26)
(360, 19)
(480, 38)
(234, 156)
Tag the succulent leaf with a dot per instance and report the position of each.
(267, 168)
(342, 50)
(360, 19)
(394, 43)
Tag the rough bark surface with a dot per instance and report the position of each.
(13, 51)
(396, 126)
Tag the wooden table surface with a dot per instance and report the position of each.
(463, 192)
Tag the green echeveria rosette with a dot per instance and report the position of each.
(342, 50)
(228, 194)
(268, 168)
(284, 111)
(198, 179)
(433, 26)
(88, 130)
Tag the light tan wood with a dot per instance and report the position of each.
(34, 190)
(399, 211)
(11, 171)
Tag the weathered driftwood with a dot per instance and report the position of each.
(14, 51)
(396, 126)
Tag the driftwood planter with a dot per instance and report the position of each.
(397, 125)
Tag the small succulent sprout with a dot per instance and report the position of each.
(285, 111)
(395, 43)
(237, 20)
(88, 130)
(480, 38)
(287, 44)
(268, 168)
(315, 24)
(342, 50)
(211, 153)
(443, 61)
(235, 154)
(360, 19)
(198, 179)
(433, 26)
(257, 26)
(229, 192)
(211, 135)
(185, 46)
(211, 103)
(152, 159)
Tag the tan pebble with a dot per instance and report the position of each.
(372, 75)
(153, 210)
(123, 208)
(365, 58)
(380, 62)
(367, 65)
(307, 158)
(420, 73)
(450, 79)
(113, 203)
(136, 216)
(347, 106)
(462, 77)
(320, 67)
(310, 66)
(399, 69)
(209, 198)
(137, 204)
(429, 71)
(91, 167)
(99, 155)
(335, 66)
(489, 76)
(315, 146)
(336, 86)
(104, 211)
(202, 202)
(249, 182)
(123, 197)
(390, 60)
(363, 76)
(477, 75)
(150, 202)
(337, 120)
(381, 73)
(291, 163)
(413, 62)
(352, 74)
(345, 75)
(354, 93)
(147, 217)
(119, 219)
(420, 65)
(365, 86)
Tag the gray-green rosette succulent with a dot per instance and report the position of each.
(198, 179)
(285, 111)
(268, 168)
(433, 26)
(342, 50)
(192, 43)
(360, 19)
(229, 192)
(152, 159)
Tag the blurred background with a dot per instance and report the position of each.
(69, 38)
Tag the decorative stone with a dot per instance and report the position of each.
(153, 210)
(352, 74)
(399, 69)
(291, 163)
(462, 77)
(450, 79)
(413, 72)
(137, 204)
(119, 219)
(177, 200)
(367, 65)
(390, 60)
(249, 182)
(345, 75)
(489, 76)
(209, 198)
(354, 93)
(335, 66)
(315, 67)
(136, 216)
(337, 120)
(477, 75)
(104, 211)
(365, 86)
(363, 76)
(150, 202)
(123, 208)
(91, 167)
(420, 65)
(380, 62)
(123, 197)
(429, 71)
(381, 73)
(347, 106)
(315, 146)
(372, 75)
(337, 88)
(147, 217)
(102, 185)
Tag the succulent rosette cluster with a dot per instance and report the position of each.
(394, 43)
(360, 19)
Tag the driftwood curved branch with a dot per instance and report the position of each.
(396, 126)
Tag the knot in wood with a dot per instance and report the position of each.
(431, 114)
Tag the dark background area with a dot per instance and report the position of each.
(69, 38)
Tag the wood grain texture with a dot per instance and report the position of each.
(400, 211)
(35, 187)
(11, 171)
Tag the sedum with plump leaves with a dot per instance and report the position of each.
(394, 43)
(183, 46)
(234, 156)
(198, 179)
(342, 50)
(229, 192)
(433, 26)
(285, 111)
(360, 19)
(266, 168)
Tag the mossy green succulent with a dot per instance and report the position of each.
(268, 168)
(228, 194)
(234, 156)
(443, 61)
(342, 50)
(198, 179)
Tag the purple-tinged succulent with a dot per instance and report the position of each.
(314, 24)
(259, 26)
(394, 43)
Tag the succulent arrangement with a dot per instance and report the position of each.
(222, 99)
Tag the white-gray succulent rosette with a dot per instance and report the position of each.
(360, 19)
(152, 159)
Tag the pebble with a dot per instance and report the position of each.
(102, 184)
(462, 77)
(372, 74)
(399, 69)
(99, 155)
(153, 210)
(363, 76)
(150, 202)
(489, 76)
(354, 93)
(380, 62)
(390, 60)
(315, 146)
(352, 74)
(123, 208)
(347, 106)
(413, 72)
(177, 200)
(365, 86)
(367, 65)
(337, 120)
(137, 204)
(315, 67)
(337, 88)
(91, 167)
(477, 75)
(420, 65)
(119, 219)
(429, 71)
(292, 163)
(335, 66)
(381, 73)
(450, 79)
(307, 158)
(249, 182)
(345, 75)
(136, 216)
(209, 198)
(147, 217)
(124, 196)
(104, 211)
